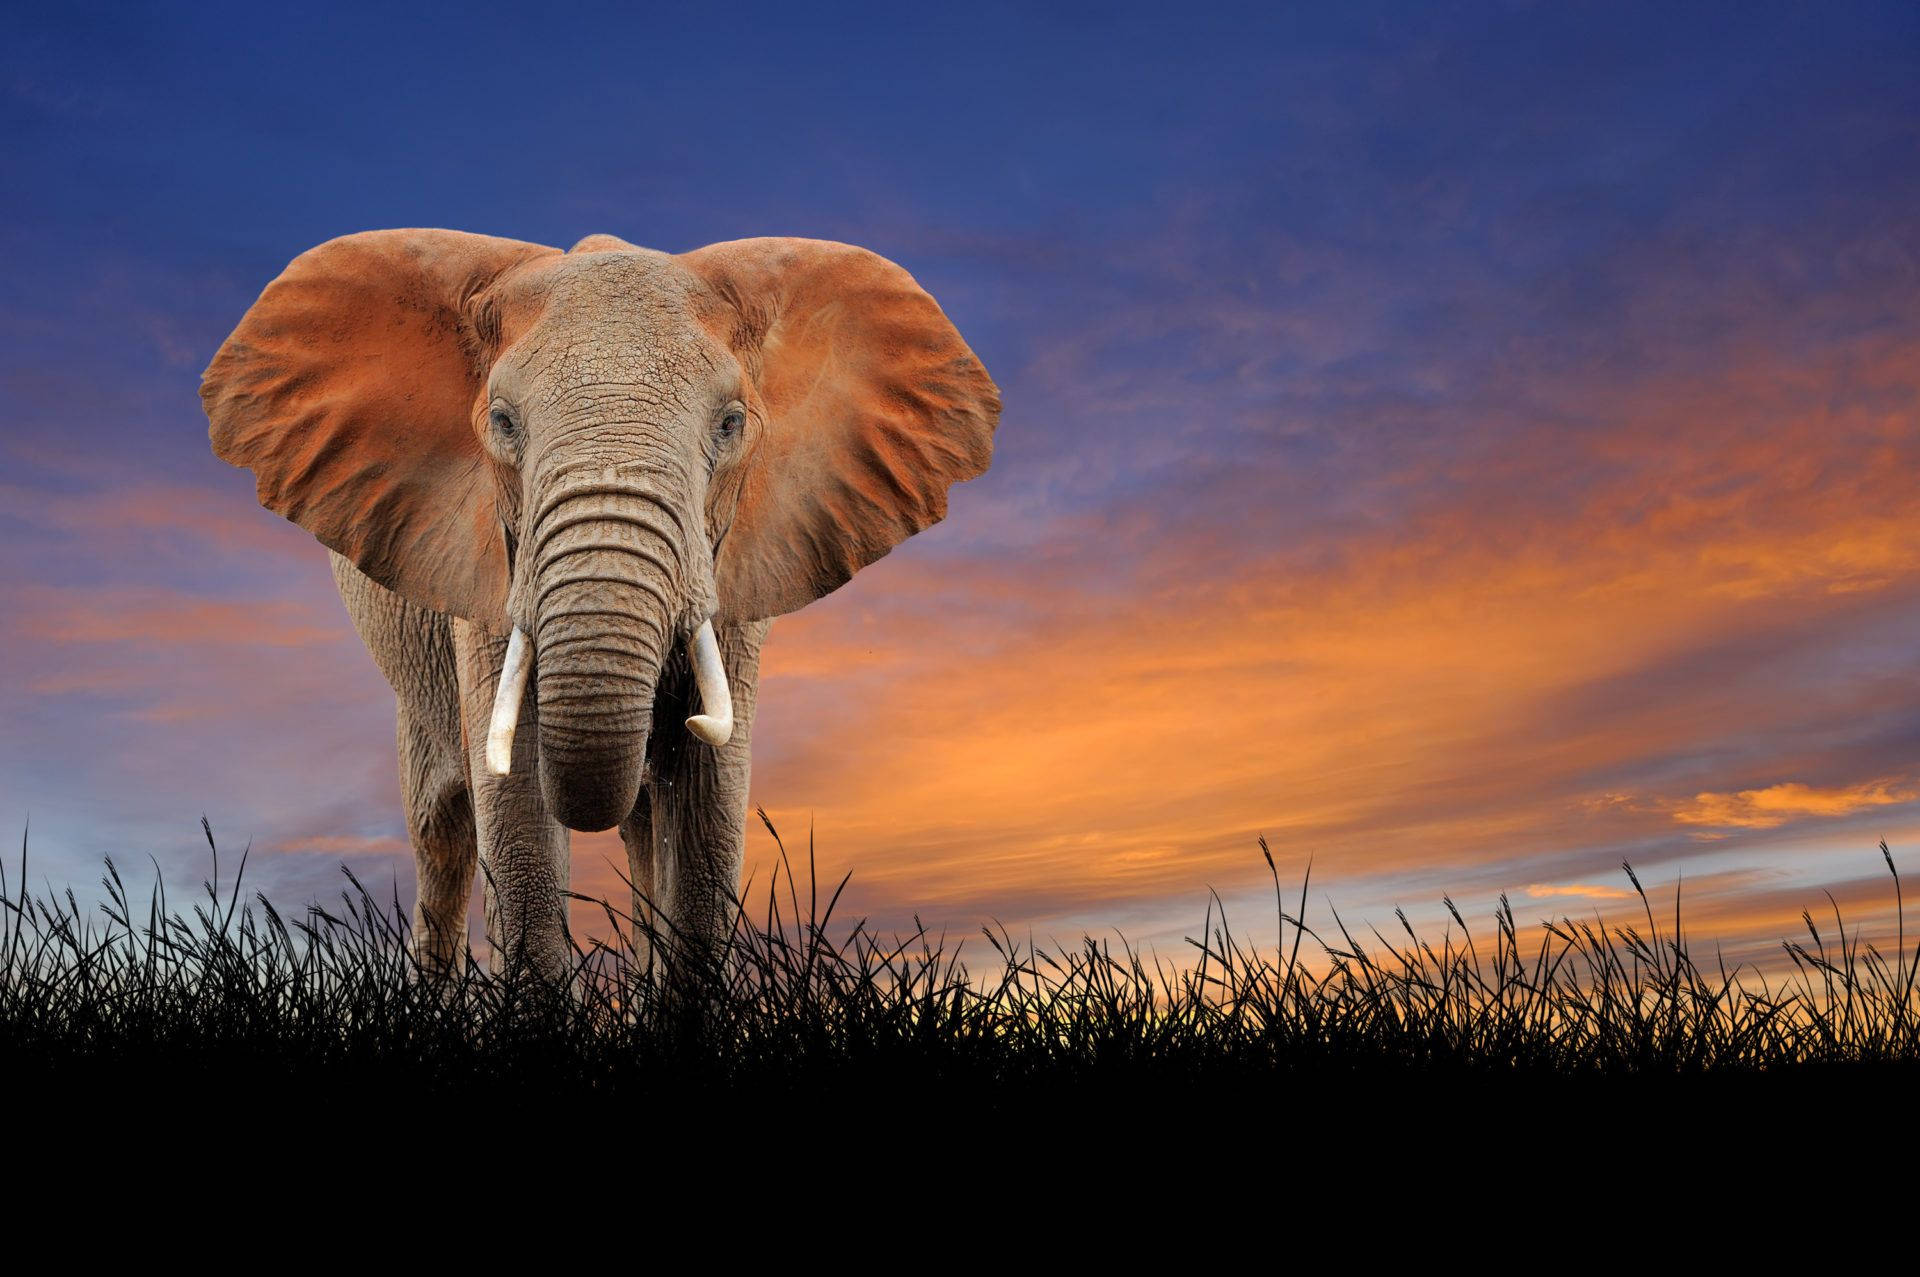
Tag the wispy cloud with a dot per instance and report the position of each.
(1776, 805)
(1581, 890)
(157, 615)
(345, 845)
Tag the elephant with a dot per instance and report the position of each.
(565, 495)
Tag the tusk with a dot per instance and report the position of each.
(506, 704)
(716, 725)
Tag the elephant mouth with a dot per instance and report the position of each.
(713, 725)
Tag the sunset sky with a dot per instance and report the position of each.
(1469, 445)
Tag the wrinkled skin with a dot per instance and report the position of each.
(444, 671)
(605, 449)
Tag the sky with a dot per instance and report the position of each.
(1470, 446)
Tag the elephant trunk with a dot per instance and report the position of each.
(595, 687)
(607, 600)
(714, 724)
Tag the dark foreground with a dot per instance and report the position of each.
(233, 1010)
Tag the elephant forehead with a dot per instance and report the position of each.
(641, 278)
(610, 317)
(569, 352)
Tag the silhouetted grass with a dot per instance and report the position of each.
(240, 995)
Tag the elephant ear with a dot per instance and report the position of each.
(873, 407)
(350, 390)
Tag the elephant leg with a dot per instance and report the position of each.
(523, 851)
(414, 649)
(636, 831)
(433, 785)
(699, 798)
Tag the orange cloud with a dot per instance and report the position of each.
(155, 615)
(1585, 891)
(1775, 805)
(344, 845)
(151, 514)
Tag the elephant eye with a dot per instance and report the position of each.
(503, 423)
(733, 421)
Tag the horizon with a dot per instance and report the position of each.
(1469, 451)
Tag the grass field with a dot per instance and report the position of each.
(249, 1000)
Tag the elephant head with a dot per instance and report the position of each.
(600, 452)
